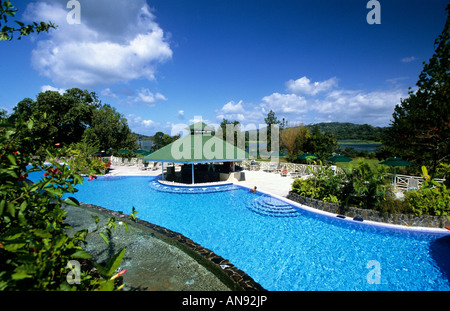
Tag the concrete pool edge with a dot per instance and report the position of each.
(234, 278)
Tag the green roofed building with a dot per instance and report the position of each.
(200, 147)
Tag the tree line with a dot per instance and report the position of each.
(69, 118)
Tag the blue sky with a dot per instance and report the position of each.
(161, 63)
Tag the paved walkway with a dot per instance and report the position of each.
(268, 182)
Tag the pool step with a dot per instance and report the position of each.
(269, 206)
(155, 185)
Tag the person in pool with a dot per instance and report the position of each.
(253, 189)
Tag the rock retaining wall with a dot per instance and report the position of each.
(397, 219)
(231, 276)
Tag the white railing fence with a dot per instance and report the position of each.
(400, 182)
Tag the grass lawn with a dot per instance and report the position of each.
(372, 162)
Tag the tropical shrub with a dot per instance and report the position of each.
(370, 186)
(432, 198)
(362, 186)
(325, 184)
(35, 250)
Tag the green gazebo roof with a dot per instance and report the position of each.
(200, 126)
(198, 149)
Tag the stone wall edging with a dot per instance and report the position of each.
(396, 219)
(240, 278)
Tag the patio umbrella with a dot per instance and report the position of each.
(140, 151)
(307, 156)
(339, 158)
(123, 151)
(394, 162)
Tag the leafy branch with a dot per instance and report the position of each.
(7, 32)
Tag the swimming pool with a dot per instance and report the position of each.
(280, 246)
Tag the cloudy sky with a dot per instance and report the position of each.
(161, 63)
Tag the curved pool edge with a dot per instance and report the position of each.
(234, 278)
(439, 231)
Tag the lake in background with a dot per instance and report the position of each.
(359, 145)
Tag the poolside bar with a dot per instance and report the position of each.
(197, 149)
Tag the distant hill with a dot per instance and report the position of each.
(348, 130)
(343, 131)
(143, 137)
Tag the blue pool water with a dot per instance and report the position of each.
(280, 246)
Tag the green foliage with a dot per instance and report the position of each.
(420, 128)
(60, 118)
(325, 184)
(81, 160)
(362, 186)
(370, 185)
(320, 144)
(367, 186)
(160, 140)
(432, 198)
(72, 117)
(7, 32)
(344, 131)
(34, 247)
(109, 130)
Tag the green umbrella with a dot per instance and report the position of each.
(123, 151)
(396, 162)
(307, 156)
(140, 151)
(339, 158)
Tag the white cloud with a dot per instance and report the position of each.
(108, 93)
(51, 88)
(374, 108)
(240, 112)
(284, 103)
(232, 108)
(117, 41)
(142, 126)
(180, 114)
(408, 59)
(144, 95)
(320, 102)
(304, 86)
(324, 101)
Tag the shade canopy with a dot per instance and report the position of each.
(198, 149)
(140, 151)
(307, 156)
(396, 162)
(199, 127)
(339, 158)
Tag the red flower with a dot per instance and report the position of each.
(22, 177)
(46, 174)
(92, 177)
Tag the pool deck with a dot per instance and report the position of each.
(267, 182)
